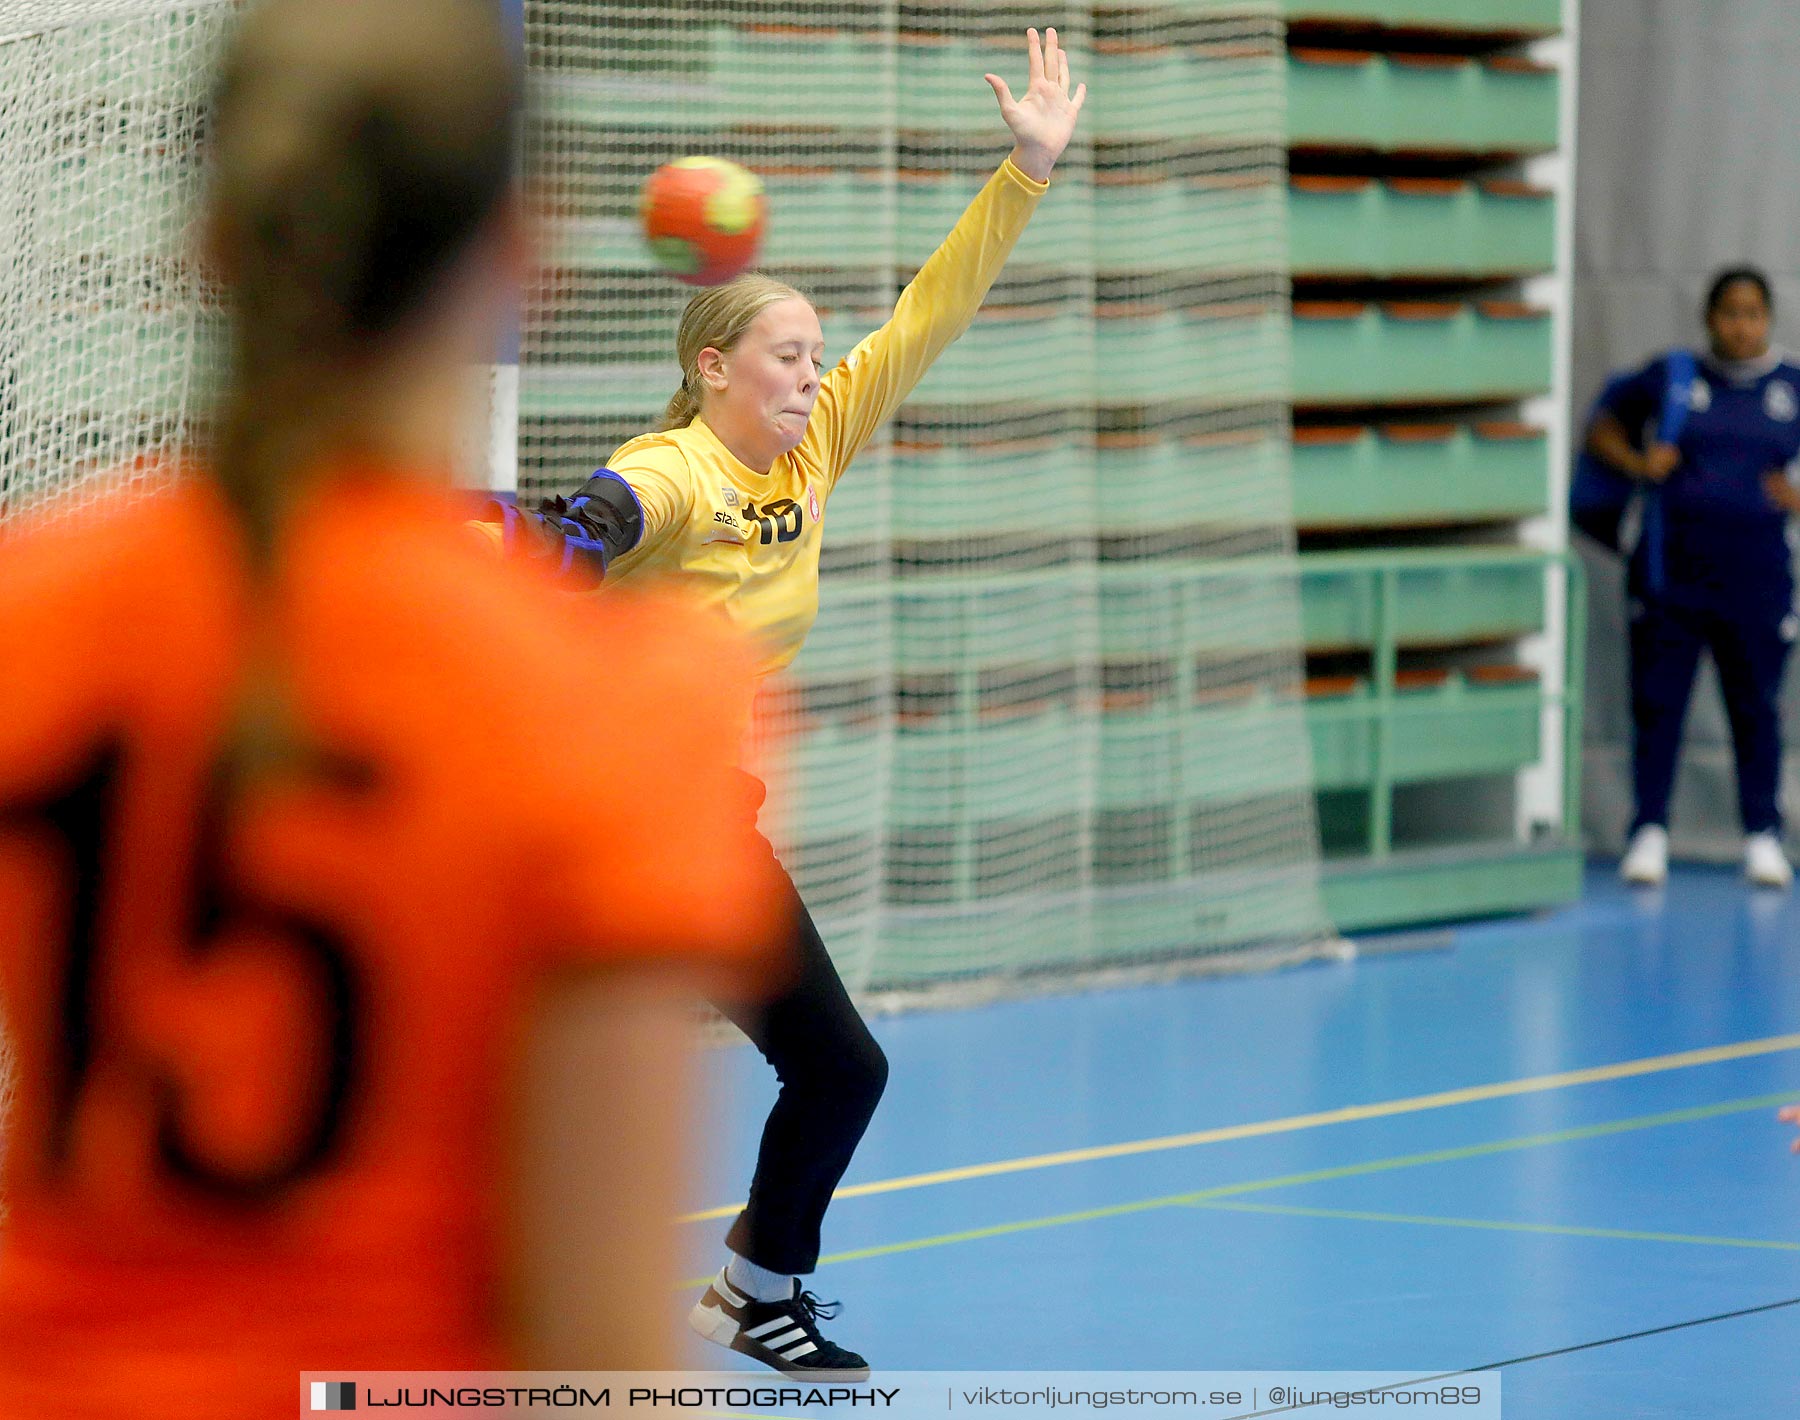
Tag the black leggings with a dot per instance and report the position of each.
(832, 1073)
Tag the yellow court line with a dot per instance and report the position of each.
(1493, 1225)
(1203, 1196)
(1536, 1084)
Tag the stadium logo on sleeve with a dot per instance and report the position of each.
(1779, 402)
(334, 1395)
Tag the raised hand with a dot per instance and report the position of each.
(1043, 119)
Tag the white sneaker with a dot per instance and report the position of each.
(1646, 860)
(1764, 862)
(782, 1335)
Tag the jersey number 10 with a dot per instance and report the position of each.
(779, 521)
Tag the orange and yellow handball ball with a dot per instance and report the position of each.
(703, 219)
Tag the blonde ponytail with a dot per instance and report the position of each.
(683, 410)
(358, 150)
(716, 319)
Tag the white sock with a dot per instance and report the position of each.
(758, 1283)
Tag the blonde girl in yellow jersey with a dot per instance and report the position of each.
(727, 500)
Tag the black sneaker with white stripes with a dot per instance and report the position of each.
(784, 1335)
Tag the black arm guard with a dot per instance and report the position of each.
(602, 521)
(581, 535)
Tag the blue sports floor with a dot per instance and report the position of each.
(1546, 1144)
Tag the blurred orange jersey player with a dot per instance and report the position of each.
(352, 886)
(266, 1040)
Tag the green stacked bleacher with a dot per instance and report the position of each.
(1411, 234)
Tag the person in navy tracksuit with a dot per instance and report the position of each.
(1711, 569)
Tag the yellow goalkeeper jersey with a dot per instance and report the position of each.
(748, 542)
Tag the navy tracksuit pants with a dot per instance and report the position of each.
(1750, 650)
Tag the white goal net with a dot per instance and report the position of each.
(105, 334)
(1051, 718)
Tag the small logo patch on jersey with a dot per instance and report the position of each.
(731, 496)
(1699, 396)
(812, 502)
(1779, 402)
(726, 529)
